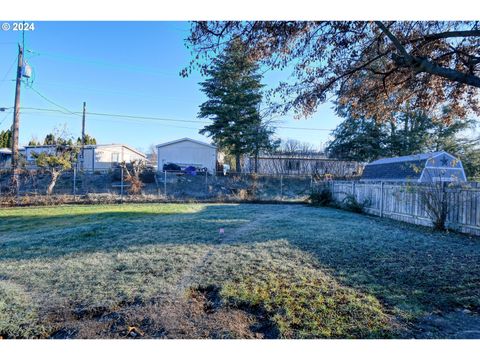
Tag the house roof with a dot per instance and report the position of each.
(123, 145)
(299, 157)
(94, 147)
(186, 139)
(399, 168)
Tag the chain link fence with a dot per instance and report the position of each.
(77, 186)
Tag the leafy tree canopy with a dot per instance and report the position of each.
(373, 66)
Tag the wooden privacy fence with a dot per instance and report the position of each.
(404, 202)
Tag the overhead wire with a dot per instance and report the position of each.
(155, 118)
(8, 71)
(48, 100)
(5, 117)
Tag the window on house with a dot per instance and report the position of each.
(115, 157)
(293, 165)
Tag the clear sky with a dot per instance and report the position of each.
(123, 68)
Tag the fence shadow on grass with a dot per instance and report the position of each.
(412, 270)
(54, 234)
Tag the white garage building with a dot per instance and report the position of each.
(187, 152)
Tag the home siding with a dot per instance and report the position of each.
(103, 158)
(107, 156)
(187, 153)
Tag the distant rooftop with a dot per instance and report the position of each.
(407, 158)
(186, 139)
(95, 146)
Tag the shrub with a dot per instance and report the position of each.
(351, 203)
(147, 176)
(323, 197)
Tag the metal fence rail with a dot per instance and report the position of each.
(166, 185)
(399, 201)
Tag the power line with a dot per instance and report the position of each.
(4, 118)
(303, 128)
(48, 100)
(146, 117)
(155, 118)
(8, 71)
(54, 112)
(84, 61)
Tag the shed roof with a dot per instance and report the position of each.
(186, 139)
(399, 168)
(408, 158)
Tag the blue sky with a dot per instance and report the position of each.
(121, 68)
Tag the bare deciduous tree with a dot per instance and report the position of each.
(152, 153)
(132, 175)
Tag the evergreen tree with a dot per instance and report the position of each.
(89, 140)
(6, 139)
(50, 139)
(234, 94)
(34, 141)
(411, 132)
(357, 139)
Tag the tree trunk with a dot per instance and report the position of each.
(53, 182)
(238, 166)
(256, 162)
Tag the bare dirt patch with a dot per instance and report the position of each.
(200, 314)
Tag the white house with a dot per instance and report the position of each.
(104, 157)
(96, 157)
(5, 157)
(31, 150)
(300, 164)
(187, 152)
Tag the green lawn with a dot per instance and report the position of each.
(165, 271)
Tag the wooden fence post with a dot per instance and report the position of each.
(165, 183)
(281, 187)
(206, 181)
(121, 184)
(381, 198)
(74, 182)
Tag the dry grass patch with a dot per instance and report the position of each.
(165, 271)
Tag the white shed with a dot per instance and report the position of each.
(187, 152)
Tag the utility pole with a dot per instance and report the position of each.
(16, 112)
(83, 134)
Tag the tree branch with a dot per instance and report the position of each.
(447, 35)
(423, 65)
